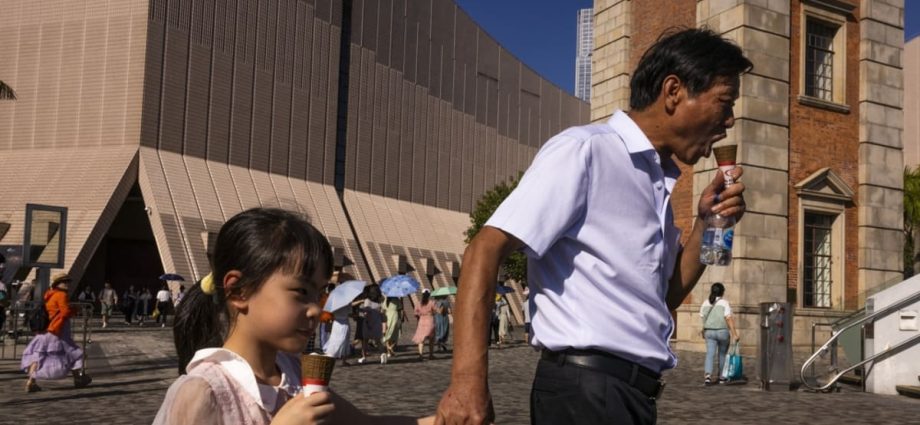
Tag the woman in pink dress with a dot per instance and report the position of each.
(425, 330)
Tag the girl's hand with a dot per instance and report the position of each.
(315, 409)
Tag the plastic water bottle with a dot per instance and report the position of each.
(716, 248)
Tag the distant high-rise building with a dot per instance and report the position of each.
(583, 55)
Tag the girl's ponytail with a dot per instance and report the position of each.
(197, 324)
(715, 292)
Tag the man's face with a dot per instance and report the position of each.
(702, 120)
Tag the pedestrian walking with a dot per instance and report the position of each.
(325, 323)
(373, 321)
(718, 326)
(525, 308)
(129, 304)
(442, 322)
(269, 268)
(52, 353)
(109, 299)
(337, 345)
(395, 318)
(605, 263)
(87, 295)
(504, 320)
(179, 296)
(424, 330)
(164, 305)
(143, 306)
(4, 303)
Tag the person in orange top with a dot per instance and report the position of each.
(52, 354)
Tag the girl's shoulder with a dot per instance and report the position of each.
(190, 399)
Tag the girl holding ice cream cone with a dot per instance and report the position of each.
(238, 331)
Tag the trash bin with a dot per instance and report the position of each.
(775, 347)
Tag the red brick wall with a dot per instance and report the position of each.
(822, 138)
(647, 25)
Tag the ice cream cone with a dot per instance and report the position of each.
(725, 158)
(725, 154)
(315, 372)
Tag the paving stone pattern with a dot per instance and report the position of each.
(133, 367)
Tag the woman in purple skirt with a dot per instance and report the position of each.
(53, 354)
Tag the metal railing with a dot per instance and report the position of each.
(843, 325)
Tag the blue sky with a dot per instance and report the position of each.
(541, 33)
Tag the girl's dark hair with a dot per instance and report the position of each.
(425, 297)
(716, 291)
(257, 243)
(697, 56)
(373, 293)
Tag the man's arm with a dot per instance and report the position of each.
(728, 202)
(467, 400)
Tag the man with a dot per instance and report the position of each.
(605, 261)
(109, 299)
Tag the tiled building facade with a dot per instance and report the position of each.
(818, 127)
(154, 121)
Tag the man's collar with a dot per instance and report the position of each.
(633, 137)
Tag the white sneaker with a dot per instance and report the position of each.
(361, 360)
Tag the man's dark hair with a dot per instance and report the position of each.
(697, 56)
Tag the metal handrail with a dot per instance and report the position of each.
(837, 332)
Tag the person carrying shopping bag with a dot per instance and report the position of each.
(718, 325)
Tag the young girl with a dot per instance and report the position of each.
(237, 333)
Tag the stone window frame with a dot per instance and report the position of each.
(831, 13)
(824, 193)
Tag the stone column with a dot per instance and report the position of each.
(881, 185)
(758, 272)
(610, 64)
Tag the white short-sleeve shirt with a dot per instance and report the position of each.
(593, 211)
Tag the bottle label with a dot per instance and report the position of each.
(708, 236)
(727, 238)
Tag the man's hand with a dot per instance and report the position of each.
(465, 402)
(726, 201)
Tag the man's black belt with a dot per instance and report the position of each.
(640, 378)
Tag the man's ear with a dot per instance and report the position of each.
(672, 89)
(230, 280)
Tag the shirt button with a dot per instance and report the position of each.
(658, 186)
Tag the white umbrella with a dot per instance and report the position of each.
(344, 294)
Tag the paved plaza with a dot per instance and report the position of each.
(132, 368)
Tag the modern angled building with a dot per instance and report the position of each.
(154, 121)
(584, 49)
(818, 128)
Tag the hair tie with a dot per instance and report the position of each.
(207, 284)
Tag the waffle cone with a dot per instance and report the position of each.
(725, 155)
(316, 369)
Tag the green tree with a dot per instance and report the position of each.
(911, 220)
(516, 264)
(6, 92)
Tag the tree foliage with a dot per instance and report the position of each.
(516, 264)
(911, 219)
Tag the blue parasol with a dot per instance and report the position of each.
(399, 286)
